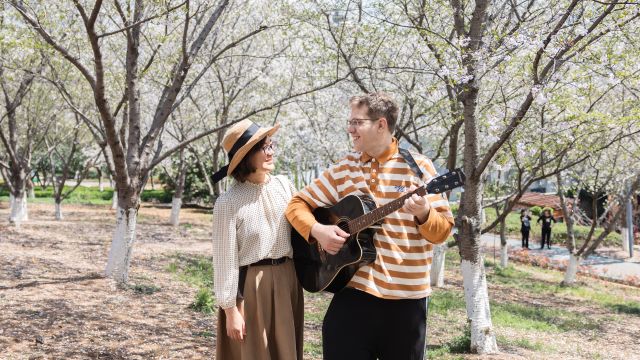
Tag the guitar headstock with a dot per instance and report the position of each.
(446, 182)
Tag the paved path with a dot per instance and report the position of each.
(607, 267)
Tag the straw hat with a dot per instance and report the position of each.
(241, 137)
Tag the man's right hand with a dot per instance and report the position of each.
(330, 237)
(235, 323)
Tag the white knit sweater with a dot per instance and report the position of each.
(248, 225)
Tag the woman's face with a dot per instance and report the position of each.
(263, 159)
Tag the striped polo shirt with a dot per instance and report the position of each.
(404, 247)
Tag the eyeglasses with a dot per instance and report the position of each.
(271, 147)
(358, 122)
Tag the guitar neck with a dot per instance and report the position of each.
(446, 182)
(362, 222)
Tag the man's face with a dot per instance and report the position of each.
(365, 131)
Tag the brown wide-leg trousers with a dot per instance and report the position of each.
(273, 310)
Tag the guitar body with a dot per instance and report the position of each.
(318, 270)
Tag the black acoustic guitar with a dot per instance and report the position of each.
(357, 215)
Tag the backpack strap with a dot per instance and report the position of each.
(411, 162)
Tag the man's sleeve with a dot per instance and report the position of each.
(437, 228)
(322, 192)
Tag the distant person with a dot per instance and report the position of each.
(547, 220)
(525, 227)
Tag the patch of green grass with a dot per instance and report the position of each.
(87, 195)
(558, 234)
(204, 301)
(525, 280)
(205, 334)
(197, 271)
(521, 343)
(442, 302)
(312, 348)
(513, 277)
(527, 317)
(461, 344)
(144, 289)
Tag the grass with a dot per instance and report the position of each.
(87, 195)
(198, 272)
(521, 343)
(558, 234)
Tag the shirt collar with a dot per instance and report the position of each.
(386, 155)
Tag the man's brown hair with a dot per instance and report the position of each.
(244, 168)
(379, 105)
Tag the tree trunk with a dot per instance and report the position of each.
(483, 338)
(100, 183)
(176, 203)
(437, 265)
(58, 210)
(32, 191)
(19, 211)
(504, 245)
(572, 270)
(122, 245)
(625, 239)
(114, 200)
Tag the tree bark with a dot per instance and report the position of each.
(122, 245)
(504, 245)
(437, 265)
(59, 215)
(572, 270)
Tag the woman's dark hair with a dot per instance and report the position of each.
(522, 211)
(244, 168)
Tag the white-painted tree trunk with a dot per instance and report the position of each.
(32, 193)
(11, 201)
(176, 203)
(483, 338)
(122, 245)
(19, 211)
(100, 184)
(59, 211)
(572, 270)
(437, 265)
(114, 200)
(504, 255)
(625, 239)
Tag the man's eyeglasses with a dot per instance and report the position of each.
(271, 147)
(357, 122)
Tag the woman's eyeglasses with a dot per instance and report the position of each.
(271, 147)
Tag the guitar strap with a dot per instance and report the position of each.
(416, 169)
(411, 162)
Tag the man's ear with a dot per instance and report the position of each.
(382, 124)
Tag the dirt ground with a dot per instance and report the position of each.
(54, 303)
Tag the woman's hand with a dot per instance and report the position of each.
(235, 324)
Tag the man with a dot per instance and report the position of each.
(382, 311)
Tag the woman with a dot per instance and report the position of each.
(261, 305)
(525, 227)
(547, 220)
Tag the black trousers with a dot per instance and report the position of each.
(525, 237)
(360, 326)
(546, 237)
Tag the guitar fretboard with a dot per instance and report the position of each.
(362, 222)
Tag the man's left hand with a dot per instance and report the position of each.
(418, 206)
